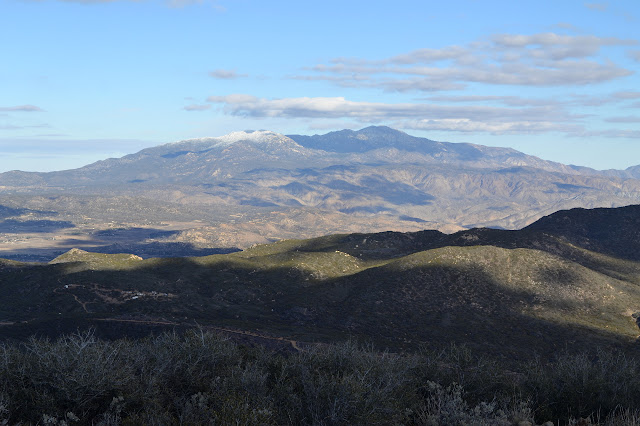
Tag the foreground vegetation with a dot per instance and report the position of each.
(204, 378)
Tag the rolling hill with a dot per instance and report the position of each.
(512, 293)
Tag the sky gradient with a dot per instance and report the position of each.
(84, 80)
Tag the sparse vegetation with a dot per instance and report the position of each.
(203, 378)
(483, 327)
(500, 292)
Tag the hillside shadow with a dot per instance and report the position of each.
(442, 305)
(116, 240)
(164, 249)
(135, 241)
(144, 250)
(6, 212)
(399, 309)
(132, 234)
(12, 226)
(614, 232)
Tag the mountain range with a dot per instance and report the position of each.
(259, 186)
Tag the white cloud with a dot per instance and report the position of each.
(542, 60)
(408, 115)
(635, 55)
(226, 74)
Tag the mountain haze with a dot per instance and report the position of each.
(258, 186)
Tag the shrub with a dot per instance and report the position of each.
(342, 384)
(582, 385)
(204, 378)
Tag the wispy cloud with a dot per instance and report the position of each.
(565, 26)
(224, 74)
(509, 127)
(608, 133)
(635, 55)
(627, 94)
(22, 108)
(196, 107)
(467, 118)
(552, 46)
(601, 7)
(625, 119)
(542, 60)
(505, 100)
(19, 127)
(568, 100)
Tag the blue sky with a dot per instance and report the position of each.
(83, 80)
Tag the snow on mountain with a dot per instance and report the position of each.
(263, 137)
(259, 136)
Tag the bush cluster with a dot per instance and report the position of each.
(203, 378)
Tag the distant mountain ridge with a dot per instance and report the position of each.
(373, 179)
(382, 137)
(396, 147)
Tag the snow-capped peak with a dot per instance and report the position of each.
(250, 135)
(257, 136)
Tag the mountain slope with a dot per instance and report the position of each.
(614, 232)
(509, 293)
(471, 155)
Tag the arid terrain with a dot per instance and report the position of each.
(249, 188)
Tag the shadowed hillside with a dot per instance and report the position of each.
(511, 293)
